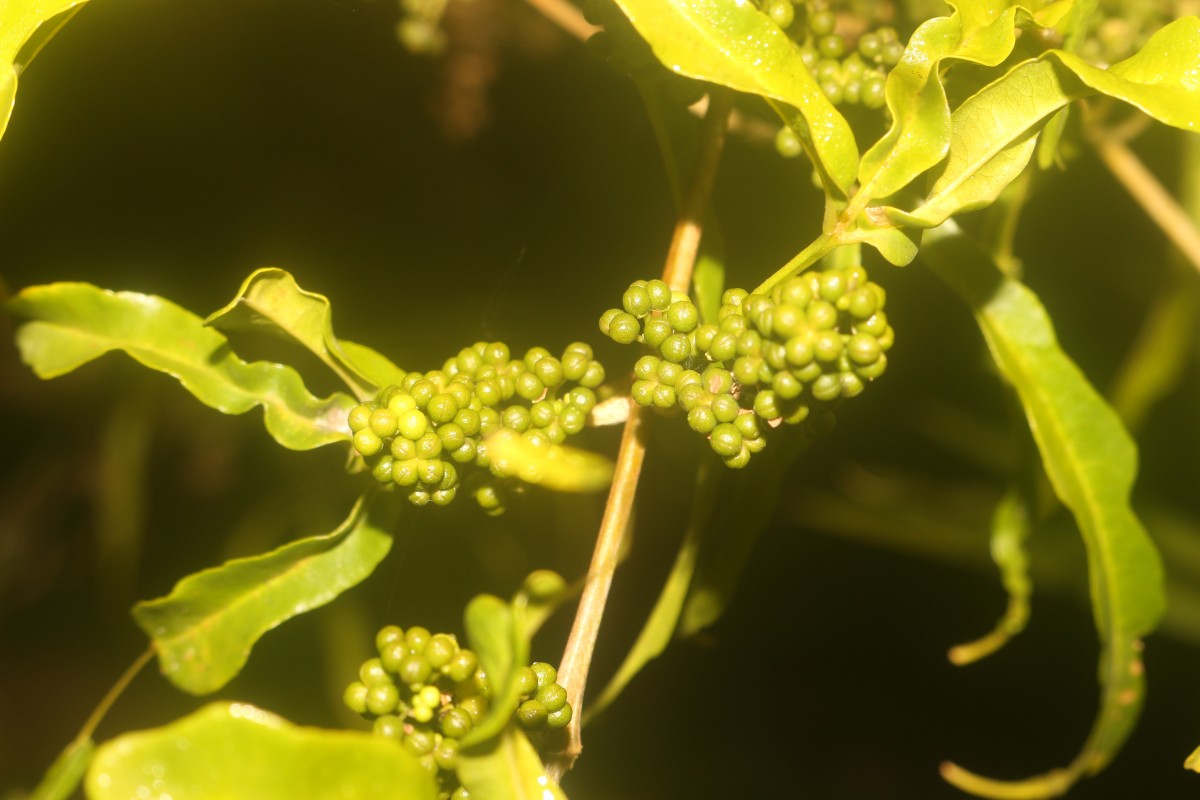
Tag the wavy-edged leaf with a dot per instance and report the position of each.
(564, 469)
(495, 636)
(25, 27)
(1091, 463)
(994, 132)
(272, 301)
(204, 629)
(234, 751)
(74, 323)
(65, 774)
(1010, 530)
(979, 31)
(733, 44)
(506, 768)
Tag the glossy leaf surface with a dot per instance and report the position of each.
(733, 44)
(204, 629)
(494, 634)
(506, 768)
(271, 300)
(234, 751)
(65, 774)
(74, 323)
(994, 131)
(1091, 463)
(564, 469)
(25, 27)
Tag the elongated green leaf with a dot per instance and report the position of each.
(994, 132)
(506, 768)
(730, 534)
(1091, 462)
(732, 43)
(204, 629)
(234, 751)
(25, 27)
(564, 469)
(75, 323)
(979, 31)
(494, 634)
(271, 300)
(1010, 529)
(64, 775)
(660, 626)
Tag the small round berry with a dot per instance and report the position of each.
(534, 355)
(875, 325)
(624, 328)
(430, 472)
(388, 634)
(872, 94)
(392, 654)
(429, 446)
(372, 673)
(403, 449)
(864, 349)
(527, 681)
(726, 440)
(656, 330)
(452, 436)
(412, 424)
(367, 442)
(552, 696)
(786, 385)
(725, 407)
(446, 754)
(360, 417)
(827, 346)
(872, 371)
(594, 376)
(560, 718)
(442, 408)
(355, 697)
(420, 741)
(869, 46)
(383, 422)
(723, 346)
(827, 388)
(660, 294)
(546, 673)
(389, 726)
(414, 670)
(574, 365)
(683, 315)
(549, 371)
(766, 405)
(462, 666)
(702, 420)
(676, 348)
(739, 459)
(822, 315)
(636, 301)
(664, 396)
(456, 723)
(441, 648)
(532, 714)
(417, 639)
(382, 471)
(382, 699)
(831, 46)
(822, 22)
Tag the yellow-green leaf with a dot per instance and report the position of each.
(1091, 462)
(506, 768)
(733, 44)
(74, 323)
(564, 469)
(234, 751)
(25, 27)
(64, 775)
(204, 629)
(272, 301)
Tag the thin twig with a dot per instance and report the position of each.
(1146, 189)
(105, 704)
(677, 272)
(566, 16)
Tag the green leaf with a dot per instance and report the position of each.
(994, 132)
(75, 323)
(1091, 463)
(271, 300)
(733, 44)
(748, 503)
(506, 768)
(564, 469)
(234, 751)
(1010, 530)
(64, 775)
(982, 32)
(493, 632)
(660, 625)
(204, 629)
(25, 27)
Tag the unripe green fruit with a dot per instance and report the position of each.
(660, 294)
(739, 459)
(574, 365)
(864, 349)
(594, 376)
(387, 635)
(429, 446)
(822, 22)
(382, 471)
(725, 408)
(406, 473)
(446, 754)
(451, 436)
(822, 315)
(786, 385)
(372, 673)
(420, 741)
(360, 417)
(552, 696)
(456, 723)
(702, 420)
(655, 331)
(430, 471)
(683, 316)
(527, 681)
(403, 449)
(389, 726)
(417, 639)
(412, 424)
(561, 718)
(549, 371)
(442, 408)
(624, 328)
(827, 388)
(529, 386)
(726, 440)
(355, 697)
(383, 423)
(392, 654)
(872, 371)
(462, 666)
(636, 301)
(676, 348)
(534, 355)
(766, 406)
(414, 670)
(367, 442)
(440, 650)
(382, 699)
(642, 392)
(827, 346)
(532, 714)
(723, 346)
(875, 325)
(546, 673)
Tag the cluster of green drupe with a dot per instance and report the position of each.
(426, 693)
(623, 48)
(426, 435)
(768, 360)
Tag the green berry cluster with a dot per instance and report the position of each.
(425, 435)
(786, 358)
(426, 693)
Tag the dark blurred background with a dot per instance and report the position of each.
(510, 189)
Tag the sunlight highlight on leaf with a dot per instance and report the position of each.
(204, 629)
(25, 27)
(235, 751)
(75, 323)
(1091, 462)
(564, 469)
